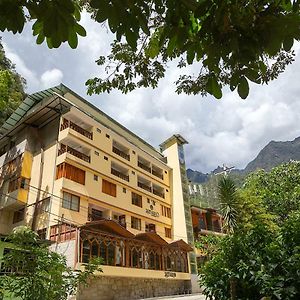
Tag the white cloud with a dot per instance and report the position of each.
(51, 78)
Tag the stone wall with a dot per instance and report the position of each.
(126, 288)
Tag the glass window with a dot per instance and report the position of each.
(70, 201)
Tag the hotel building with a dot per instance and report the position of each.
(94, 188)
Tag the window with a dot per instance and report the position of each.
(19, 215)
(107, 135)
(16, 183)
(70, 201)
(95, 177)
(105, 157)
(150, 227)
(124, 190)
(168, 233)
(135, 223)
(43, 205)
(98, 130)
(166, 211)
(136, 199)
(133, 151)
(109, 188)
(70, 172)
(97, 153)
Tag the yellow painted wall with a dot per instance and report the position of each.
(140, 273)
(179, 226)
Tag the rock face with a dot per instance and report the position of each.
(272, 155)
(196, 176)
(127, 288)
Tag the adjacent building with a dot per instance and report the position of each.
(94, 188)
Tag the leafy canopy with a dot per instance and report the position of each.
(228, 43)
(37, 273)
(11, 87)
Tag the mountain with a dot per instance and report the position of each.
(196, 176)
(272, 155)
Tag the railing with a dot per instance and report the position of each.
(119, 174)
(121, 153)
(161, 176)
(158, 193)
(144, 186)
(72, 151)
(69, 124)
(146, 168)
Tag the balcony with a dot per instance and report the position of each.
(157, 172)
(144, 186)
(68, 149)
(144, 167)
(121, 150)
(69, 124)
(158, 191)
(121, 153)
(119, 174)
(119, 171)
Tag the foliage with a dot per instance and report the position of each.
(208, 244)
(55, 21)
(228, 42)
(11, 87)
(38, 273)
(228, 203)
(259, 260)
(279, 189)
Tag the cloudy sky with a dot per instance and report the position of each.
(230, 130)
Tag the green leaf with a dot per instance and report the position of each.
(73, 40)
(234, 81)
(252, 75)
(80, 30)
(131, 39)
(243, 88)
(288, 43)
(214, 88)
(40, 39)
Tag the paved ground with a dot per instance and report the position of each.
(182, 297)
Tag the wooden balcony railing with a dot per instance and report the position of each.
(69, 124)
(144, 167)
(144, 186)
(119, 174)
(121, 153)
(161, 176)
(72, 151)
(158, 193)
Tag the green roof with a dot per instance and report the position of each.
(29, 102)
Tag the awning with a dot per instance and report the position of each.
(181, 244)
(151, 237)
(109, 226)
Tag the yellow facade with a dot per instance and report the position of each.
(84, 155)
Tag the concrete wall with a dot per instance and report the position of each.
(126, 288)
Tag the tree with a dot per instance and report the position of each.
(260, 259)
(229, 43)
(35, 272)
(11, 87)
(279, 189)
(228, 202)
